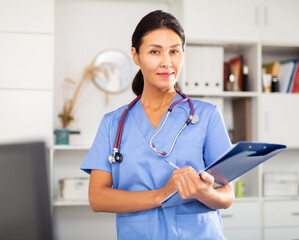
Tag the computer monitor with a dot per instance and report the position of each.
(25, 211)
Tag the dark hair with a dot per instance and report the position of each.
(153, 21)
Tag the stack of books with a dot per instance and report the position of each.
(287, 72)
(235, 75)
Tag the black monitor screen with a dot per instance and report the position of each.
(24, 197)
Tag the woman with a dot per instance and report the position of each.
(135, 187)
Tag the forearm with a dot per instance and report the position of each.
(219, 198)
(120, 201)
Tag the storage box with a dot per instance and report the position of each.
(74, 189)
(280, 184)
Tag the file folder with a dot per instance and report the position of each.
(238, 160)
(204, 71)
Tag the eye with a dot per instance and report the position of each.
(174, 51)
(154, 52)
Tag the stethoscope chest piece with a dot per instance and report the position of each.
(115, 157)
(195, 119)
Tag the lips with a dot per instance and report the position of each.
(165, 74)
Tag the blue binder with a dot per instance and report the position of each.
(238, 160)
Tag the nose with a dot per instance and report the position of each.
(166, 61)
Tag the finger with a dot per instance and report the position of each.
(194, 185)
(185, 184)
(193, 178)
(192, 181)
(188, 187)
(208, 178)
(180, 190)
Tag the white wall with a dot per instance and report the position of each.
(26, 70)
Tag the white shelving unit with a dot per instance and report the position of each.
(251, 29)
(62, 157)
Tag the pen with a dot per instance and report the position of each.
(171, 164)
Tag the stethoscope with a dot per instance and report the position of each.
(117, 156)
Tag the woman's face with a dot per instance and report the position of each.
(160, 59)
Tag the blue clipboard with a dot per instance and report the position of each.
(238, 160)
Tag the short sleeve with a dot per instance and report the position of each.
(217, 140)
(97, 157)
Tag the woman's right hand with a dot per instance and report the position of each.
(192, 185)
(189, 184)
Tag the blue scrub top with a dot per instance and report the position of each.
(142, 169)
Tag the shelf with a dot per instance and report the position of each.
(226, 44)
(280, 94)
(246, 199)
(58, 203)
(279, 48)
(70, 147)
(228, 94)
(64, 203)
(292, 148)
(274, 199)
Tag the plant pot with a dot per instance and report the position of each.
(62, 136)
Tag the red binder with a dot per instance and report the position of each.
(295, 83)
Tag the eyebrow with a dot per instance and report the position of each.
(159, 46)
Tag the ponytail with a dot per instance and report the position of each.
(177, 87)
(138, 83)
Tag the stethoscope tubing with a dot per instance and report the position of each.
(160, 153)
(117, 156)
(124, 114)
(152, 145)
(121, 123)
(185, 98)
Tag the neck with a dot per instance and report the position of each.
(157, 99)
